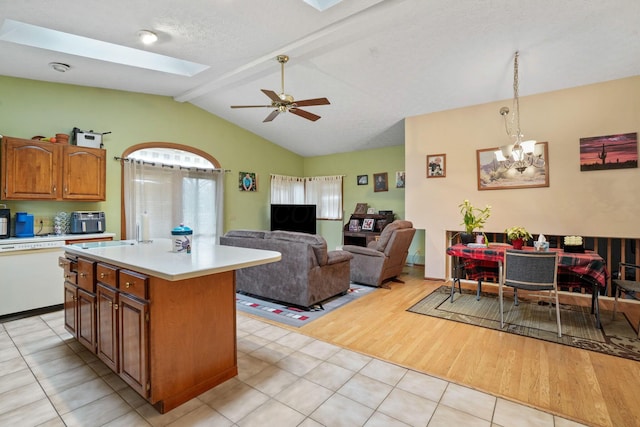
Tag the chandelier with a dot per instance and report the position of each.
(521, 154)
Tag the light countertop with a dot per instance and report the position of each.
(157, 259)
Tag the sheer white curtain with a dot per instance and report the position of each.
(326, 193)
(323, 191)
(287, 190)
(173, 195)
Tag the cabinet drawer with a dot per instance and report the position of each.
(86, 275)
(134, 283)
(107, 274)
(68, 269)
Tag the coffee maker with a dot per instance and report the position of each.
(24, 224)
(5, 222)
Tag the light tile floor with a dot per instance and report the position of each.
(285, 379)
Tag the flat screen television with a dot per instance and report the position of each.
(300, 218)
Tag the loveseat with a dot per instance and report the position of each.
(306, 275)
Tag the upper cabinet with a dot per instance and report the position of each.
(38, 170)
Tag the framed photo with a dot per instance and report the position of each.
(436, 165)
(380, 182)
(363, 179)
(354, 225)
(371, 211)
(247, 181)
(400, 179)
(497, 173)
(609, 152)
(361, 209)
(368, 224)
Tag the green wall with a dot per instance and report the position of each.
(369, 162)
(29, 108)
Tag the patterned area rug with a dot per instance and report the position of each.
(532, 319)
(296, 316)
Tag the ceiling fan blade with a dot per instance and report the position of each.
(271, 116)
(249, 106)
(307, 115)
(309, 102)
(271, 94)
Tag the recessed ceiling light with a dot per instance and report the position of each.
(147, 37)
(45, 38)
(59, 66)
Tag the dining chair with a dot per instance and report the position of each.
(531, 271)
(622, 283)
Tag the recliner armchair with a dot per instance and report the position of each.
(382, 260)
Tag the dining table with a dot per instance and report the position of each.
(587, 267)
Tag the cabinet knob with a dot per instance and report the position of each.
(128, 285)
(83, 275)
(115, 306)
(110, 304)
(103, 275)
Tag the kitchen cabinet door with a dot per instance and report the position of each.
(30, 170)
(39, 170)
(70, 309)
(134, 343)
(83, 173)
(107, 339)
(86, 316)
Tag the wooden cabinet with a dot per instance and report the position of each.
(107, 306)
(80, 300)
(360, 236)
(134, 343)
(168, 340)
(122, 337)
(38, 170)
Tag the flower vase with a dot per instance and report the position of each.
(517, 243)
(466, 238)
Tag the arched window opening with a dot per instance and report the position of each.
(171, 184)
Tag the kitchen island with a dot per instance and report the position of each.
(164, 322)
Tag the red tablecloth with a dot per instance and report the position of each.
(588, 264)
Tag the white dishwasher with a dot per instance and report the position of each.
(29, 274)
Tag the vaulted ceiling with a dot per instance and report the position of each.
(376, 61)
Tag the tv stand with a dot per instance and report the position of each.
(364, 237)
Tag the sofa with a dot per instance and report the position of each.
(383, 259)
(306, 275)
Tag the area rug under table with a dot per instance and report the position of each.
(531, 318)
(296, 316)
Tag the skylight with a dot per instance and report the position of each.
(45, 38)
(322, 5)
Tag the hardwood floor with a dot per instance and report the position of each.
(585, 386)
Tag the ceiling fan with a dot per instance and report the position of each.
(283, 102)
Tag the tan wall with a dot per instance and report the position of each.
(596, 203)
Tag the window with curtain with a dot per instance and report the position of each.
(323, 191)
(173, 187)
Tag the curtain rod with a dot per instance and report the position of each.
(164, 165)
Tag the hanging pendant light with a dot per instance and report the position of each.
(520, 154)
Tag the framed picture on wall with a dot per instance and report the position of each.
(247, 181)
(609, 152)
(495, 172)
(436, 165)
(363, 179)
(380, 182)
